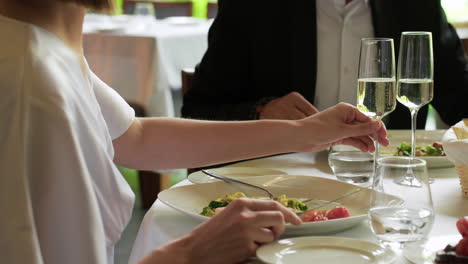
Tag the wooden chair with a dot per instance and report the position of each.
(187, 79)
(212, 10)
(465, 44)
(163, 9)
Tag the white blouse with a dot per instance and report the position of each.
(62, 199)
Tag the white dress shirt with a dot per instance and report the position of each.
(340, 28)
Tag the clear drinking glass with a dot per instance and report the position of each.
(351, 165)
(415, 79)
(397, 223)
(144, 9)
(376, 95)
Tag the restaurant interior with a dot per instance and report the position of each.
(153, 54)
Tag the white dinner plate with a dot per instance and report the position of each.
(109, 28)
(424, 252)
(330, 250)
(191, 199)
(423, 138)
(181, 20)
(238, 173)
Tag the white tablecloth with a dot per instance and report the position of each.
(162, 224)
(177, 46)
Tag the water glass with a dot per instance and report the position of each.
(351, 165)
(144, 9)
(397, 222)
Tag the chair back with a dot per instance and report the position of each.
(169, 9)
(162, 9)
(187, 79)
(212, 10)
(465, 44)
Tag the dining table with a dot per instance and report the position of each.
(142, 57)
(163, 224)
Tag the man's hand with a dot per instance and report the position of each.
(292, 106)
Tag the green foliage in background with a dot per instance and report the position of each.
(131, 176)
(199, 6)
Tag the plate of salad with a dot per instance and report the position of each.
(428, 146)
(202, 201)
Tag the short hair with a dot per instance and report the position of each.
(95, 5)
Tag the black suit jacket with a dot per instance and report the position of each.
(267, 49)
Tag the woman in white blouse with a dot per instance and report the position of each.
(62, 199)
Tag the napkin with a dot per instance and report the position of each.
(455, 143)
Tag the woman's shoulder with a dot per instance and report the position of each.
(31, 71)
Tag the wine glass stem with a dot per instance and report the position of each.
(377, 183)
(414, 114)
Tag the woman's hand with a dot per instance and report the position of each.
(231, 236)
(340, 124)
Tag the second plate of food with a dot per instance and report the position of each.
(424, 138)
(238, 173)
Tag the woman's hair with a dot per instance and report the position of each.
(95, 5)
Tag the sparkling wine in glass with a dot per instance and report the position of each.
(376, 95)
(404, 213)
(415, 81)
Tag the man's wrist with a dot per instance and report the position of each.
(258, 107)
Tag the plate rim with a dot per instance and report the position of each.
(271, 258)
(440, 161)
(308, 228)
(192, 175)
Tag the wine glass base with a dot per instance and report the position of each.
(396, 247)
(408, 181)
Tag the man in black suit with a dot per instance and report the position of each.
(264, 60)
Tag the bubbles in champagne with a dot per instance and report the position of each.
(376, 96)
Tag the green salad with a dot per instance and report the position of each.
(435, 149)
(211, 209)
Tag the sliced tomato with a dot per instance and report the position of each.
(314, 215)
(462, 225)
(319, 218)
(338, 212)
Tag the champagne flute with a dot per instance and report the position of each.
(376, 95)
(415, 81)
(403, 214)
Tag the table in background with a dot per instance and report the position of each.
(162, 224)
(142, 58)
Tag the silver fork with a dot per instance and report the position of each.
(325, 203)
(224, 178)
(273, 197)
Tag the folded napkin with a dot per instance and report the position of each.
(455, 143)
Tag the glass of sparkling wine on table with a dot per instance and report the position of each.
(415, 81)
(405, 220)
(376, 95)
